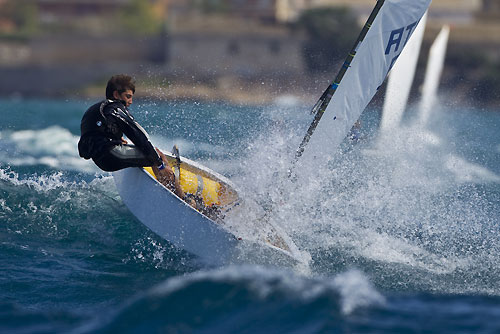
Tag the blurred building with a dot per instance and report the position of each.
(67, 10)
(73, 43)
(206, 39)
(491, 5)
(50, 10)
(452, 10)
(490, 10)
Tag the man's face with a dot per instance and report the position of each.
(126, 96)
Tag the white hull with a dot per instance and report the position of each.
(174, 220)
(171, 218)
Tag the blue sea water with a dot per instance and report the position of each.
(402, 228)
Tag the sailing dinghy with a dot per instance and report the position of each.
(380, 43)
(198, 229)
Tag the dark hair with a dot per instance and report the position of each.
(120, 83)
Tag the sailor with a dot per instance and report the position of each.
(103, 126)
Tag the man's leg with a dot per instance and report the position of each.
(123, 156)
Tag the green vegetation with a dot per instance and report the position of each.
(21, 21)
(330, 33)
(138, 18)
(23, 16)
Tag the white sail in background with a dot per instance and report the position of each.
(433, 73)
(385, 40)
(401, 79)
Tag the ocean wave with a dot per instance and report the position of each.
(55, 147)
(39, 183)
(216, 300)
(54, 206)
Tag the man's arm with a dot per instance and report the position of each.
(134, 132)
(139, 137)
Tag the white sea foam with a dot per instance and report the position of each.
(40, 183)
(4, 206)
(54, 146)
(465, 171)
(287, 101)
(356, 291)
(353, 287)
(53, 140)
(424, 159)
(383, 247)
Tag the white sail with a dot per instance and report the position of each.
(433, 73)
(375, 55)
(401, 79)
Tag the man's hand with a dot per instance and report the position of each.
(166, 176)
(124, 142)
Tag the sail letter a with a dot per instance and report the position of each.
(395, 39)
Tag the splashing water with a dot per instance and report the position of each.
(410, 203)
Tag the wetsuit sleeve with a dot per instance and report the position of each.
(135, 133)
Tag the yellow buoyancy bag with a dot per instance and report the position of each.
(198, 185)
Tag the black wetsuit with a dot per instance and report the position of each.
(102, 128)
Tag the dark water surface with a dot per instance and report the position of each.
(402, 228)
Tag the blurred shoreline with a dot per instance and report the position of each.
(239, 59)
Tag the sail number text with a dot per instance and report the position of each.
(397, 36)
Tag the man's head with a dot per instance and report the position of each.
(121, 87)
